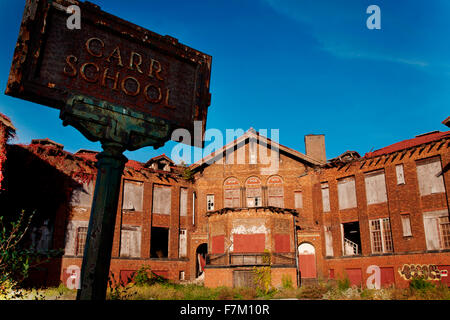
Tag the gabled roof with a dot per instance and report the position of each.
(251, 133)
(159, 158)
(446, 122)
(410, 143)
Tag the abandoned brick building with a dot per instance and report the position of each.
(252, 203)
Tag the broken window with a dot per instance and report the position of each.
(375, 187)
(298, 199)
(347, 193)
(429, 174)
(130, 241)
(232, 193)
(406, 225)
(275, 192)
(162, 200)
(159, 243)
(182, 246)
(381, 236)
(437, 230)
(81, 240)
(328, 242)
(210, 202)
(133, 195)
(400, 174)
(183, 202)
(253, 192)
(351, 240)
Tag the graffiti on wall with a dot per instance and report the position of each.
(417, 271)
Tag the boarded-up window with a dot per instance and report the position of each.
(218, 244)
(406, 224)
(298, 198)
(282, 243)
(400, 174)
(437, 229)
(210, 202)
(244, 279)
(162, 197)
(253, 192)
(375, 187)
(82, 195)
(355, 276)
(72, 238)
(328, 242)
(231, 193)
(183, 202)
(182, 246)
(429, 174)
(347, 193)
(130, 241)
(275, 192)
(325, 197)
(249, 243)
(387, 276)
(133, 195)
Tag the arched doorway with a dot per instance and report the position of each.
(307, 260)
(200, 255)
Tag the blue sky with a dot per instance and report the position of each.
(295, 65)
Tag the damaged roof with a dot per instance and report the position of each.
(410, 143)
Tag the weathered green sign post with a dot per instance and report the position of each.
(117, 83)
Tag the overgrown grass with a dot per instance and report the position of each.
(338, 290)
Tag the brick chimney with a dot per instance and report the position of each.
(315, 147)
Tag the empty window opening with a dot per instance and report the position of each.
(351, 241)
(159, 243)
(381, 236)
(200, 253)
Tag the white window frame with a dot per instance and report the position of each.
(382, 231)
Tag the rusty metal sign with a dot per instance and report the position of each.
(108, 60)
